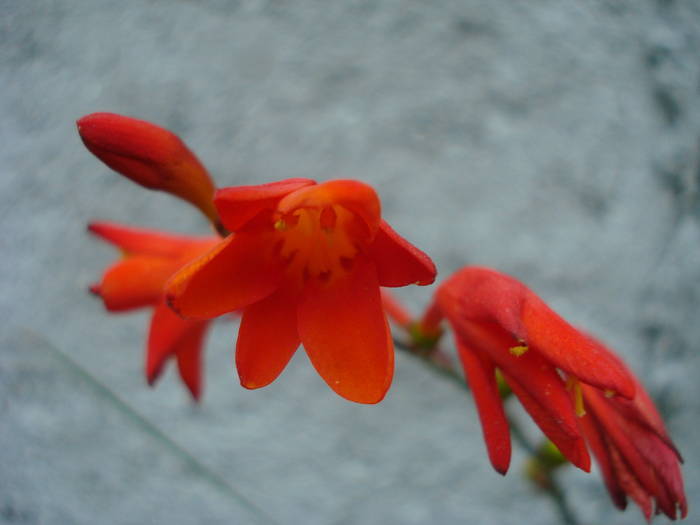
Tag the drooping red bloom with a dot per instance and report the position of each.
(634, 451)
(150, 156)
(305, 264)
(500, 324)
(138, 279)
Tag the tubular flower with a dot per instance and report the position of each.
(150, 156)
(305, 265)
(502, 325)
(634, 451)
(149, 259)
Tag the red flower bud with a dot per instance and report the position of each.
(150, 156)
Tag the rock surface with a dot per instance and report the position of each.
(556, 141)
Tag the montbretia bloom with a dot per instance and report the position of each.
(305, 263)
(150, 156)
(149, 259)
(634, 451)
(500, 324)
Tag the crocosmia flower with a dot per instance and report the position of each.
(150, 156)
(500, 324)
(149, 259)
(305, 263)
(634, 451)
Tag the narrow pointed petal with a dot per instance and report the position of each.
(620, 437)
(165, 330)
(148, 155)
(537, 376)
(235, 273)
(572, 446)
(189, 357)
(134, 282)
(267, 339)
(595, 437)
(398, 262)
(484, 295)
(240, 204)
(149, 242)
(572, 350)
(482, 380)
(355, 196)
(345, 334)
(629, 483)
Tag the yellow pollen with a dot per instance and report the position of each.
(280, 225)
(609, 393)
(574, 386)
(518, 350)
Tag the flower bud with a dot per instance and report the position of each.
(150, 156)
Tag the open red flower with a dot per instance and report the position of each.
(500, 324)
(634, 451)
(305, 264)
(149, 259)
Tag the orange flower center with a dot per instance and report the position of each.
(317, 242)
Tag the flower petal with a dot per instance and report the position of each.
(235, 273)
(572, 350)
(189, 357)
(481, 377)
(534, 373)
(398, 262)
(572, 446)
(595, 437)
(482, 294)
(239, 204)
(134, 282)
(357, 197)
(267, 338)
(170, 335)
(150, 242)
(345, 334)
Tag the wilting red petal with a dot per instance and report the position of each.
(572, 446)
(624, 442)
(398, 262)
(240, 204)
(598, 444)
(571, 350)
(171, 336)
(541, 380)
(482, 380)
(344, 332)
(134, 282)
(629, 483)
(267, 338)
(232, 275)
(150, 242)
(149, 155)
(482, 294)
(354, 196)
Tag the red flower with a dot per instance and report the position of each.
(634, 451)
(502, 325)
(150, 258)
(305, 264)
(150, 156)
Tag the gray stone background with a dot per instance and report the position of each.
(555, 140)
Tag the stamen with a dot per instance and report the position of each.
(519, 350)
(574, 386)
(280, 225)
(609, 393)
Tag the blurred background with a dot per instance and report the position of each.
(556, 141)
